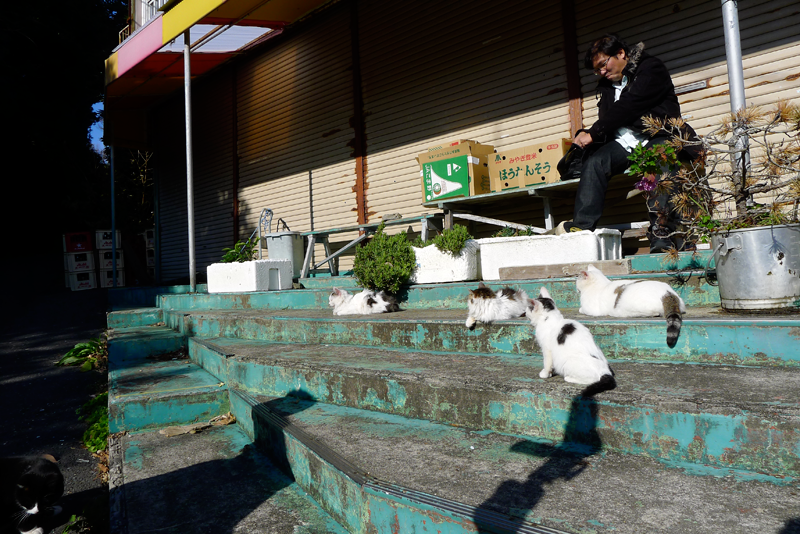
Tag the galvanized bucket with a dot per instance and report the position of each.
(758, 268)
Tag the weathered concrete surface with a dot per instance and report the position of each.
(557, 484)
(134, 318)
(706, 336)
(737, 417)
(213, 482)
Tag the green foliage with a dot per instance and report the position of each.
(385, 262)
(449, 241)
(95, 414)
(652, 160)
(89, 355)
(507, 231)
(241, 252)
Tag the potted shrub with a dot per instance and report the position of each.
(239, 271)
(451, 256)
(743, 199)
(385, 262)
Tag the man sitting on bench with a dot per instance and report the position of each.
(633, 84)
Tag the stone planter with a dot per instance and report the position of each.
(523, 251)
(434, 266)
(256, 275)
(758, 268)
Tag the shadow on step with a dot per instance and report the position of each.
(566, 461)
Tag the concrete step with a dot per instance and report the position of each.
(727, 417)
(690, 286)
(210, 482)
(376, 472)
(134, 317)
(707, 336)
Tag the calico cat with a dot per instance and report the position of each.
(29, 487)
(630, 298)
(485, 305)
(366, 302)
(568, 348)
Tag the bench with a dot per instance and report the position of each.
(428, 221)
(456, 207)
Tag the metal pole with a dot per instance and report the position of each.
(187, 91)
(733, 53)
(113, 227)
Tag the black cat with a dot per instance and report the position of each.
(29, 488)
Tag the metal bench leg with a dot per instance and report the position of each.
(307, 260)
(333, 263)
(548, 216)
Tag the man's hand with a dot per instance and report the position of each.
(583, 139)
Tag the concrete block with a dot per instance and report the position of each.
(256, 275)
(560, 270)
(434, 266)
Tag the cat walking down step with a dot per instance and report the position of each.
(568, 348)
(364, 303)
(630, 298)
(486, 306)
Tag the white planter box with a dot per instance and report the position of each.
(256, 275)
(435, 267)
(585, 246)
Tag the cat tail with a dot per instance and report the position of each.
(672, 311)
(606, 383)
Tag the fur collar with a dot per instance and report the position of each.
(634, 57)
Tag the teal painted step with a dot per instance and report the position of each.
(686, 261)
(213, 481)
(694, 290)
(145, 297)
(127, 346)
(721, 416)
(709, 338)
(383, 473)
(154, 394)
(134, 318)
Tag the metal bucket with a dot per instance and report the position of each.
(286, 246)
(758, 268)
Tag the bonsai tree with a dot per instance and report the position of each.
(385, 262)
(727, 188)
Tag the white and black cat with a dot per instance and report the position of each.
(568, 348)
(29, 489)
(366, 302)
(486, 306)
(630, 298)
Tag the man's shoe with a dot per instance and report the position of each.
(661, 245)
(564, 227)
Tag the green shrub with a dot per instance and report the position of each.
(452, 241)
(241, 252)
(95, 414)
(507, 231)
(385, 262)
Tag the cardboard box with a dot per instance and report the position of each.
(107, 259)
(149, 237)
(78, 261)
(448, 144)
(151, 257)
(77, 242)
(457, 170)
(526, 166)
(103, 239)
(107, 278)
(81, 281)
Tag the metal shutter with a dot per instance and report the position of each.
(435, 71)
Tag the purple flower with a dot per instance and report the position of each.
(647, 183)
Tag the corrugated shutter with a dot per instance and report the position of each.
(295, 106)
(212, 132)
(434, 72)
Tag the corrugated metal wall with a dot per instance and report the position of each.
(436, 71)
(431, 72)
(212, 131)
(295, 106)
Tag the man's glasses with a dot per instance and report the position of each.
(602, 67)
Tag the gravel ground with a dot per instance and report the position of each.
(40, 399)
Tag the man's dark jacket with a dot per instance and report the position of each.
(649, 92)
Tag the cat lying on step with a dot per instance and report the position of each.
(485, 305)
(630, 298)
(568, 348)
(29, 487)
(366, 302)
